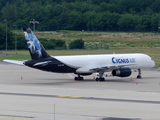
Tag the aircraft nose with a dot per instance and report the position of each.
(153, 63)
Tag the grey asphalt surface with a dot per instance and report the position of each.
(26, 93)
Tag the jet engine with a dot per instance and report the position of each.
(122, 72)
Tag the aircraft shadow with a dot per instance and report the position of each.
(112, 118)
(71, 81)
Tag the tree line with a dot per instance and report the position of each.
(92, 15)
(18, 40)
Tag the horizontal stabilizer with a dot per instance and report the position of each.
(14, 62)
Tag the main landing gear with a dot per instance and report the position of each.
(100, 78)
(79, 78)
(139, 74)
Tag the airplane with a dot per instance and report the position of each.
(120, 65)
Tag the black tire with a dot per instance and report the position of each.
(102, 79)
(81, 78)
(97, 79)
(76, 78)
(139, 76)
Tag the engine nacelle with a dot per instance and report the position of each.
(122, 72)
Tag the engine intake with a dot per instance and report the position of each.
(122, 72)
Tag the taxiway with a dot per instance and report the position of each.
(26, 93)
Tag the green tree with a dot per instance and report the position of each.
(77, 44)
(108, 21)
(110, 15)
(9, 12)
(21, 42)
(156, 6)
(90, 20)
(53, 44)
(47, 43)
(155, 22)
(126, 22)
(3, 38)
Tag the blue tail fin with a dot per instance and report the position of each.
(36, 50)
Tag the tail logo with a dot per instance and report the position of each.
(33, 43)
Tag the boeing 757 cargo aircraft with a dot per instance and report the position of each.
(118, 64)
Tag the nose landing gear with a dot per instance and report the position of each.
(139, 74)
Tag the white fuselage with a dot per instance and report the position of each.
(133, 61)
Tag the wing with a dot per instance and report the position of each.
(91, 68)
(14, 62)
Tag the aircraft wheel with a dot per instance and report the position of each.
(102, 79)
(139, 76)
(81, 78)
(78, 78)
(97, 79)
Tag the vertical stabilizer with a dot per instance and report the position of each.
(36, 50)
